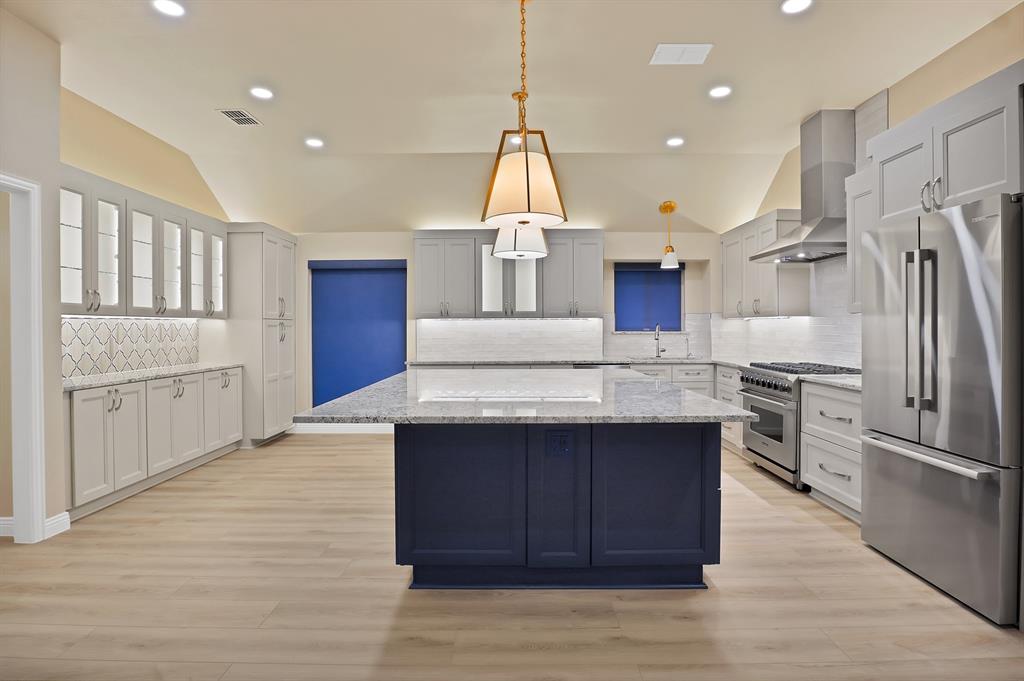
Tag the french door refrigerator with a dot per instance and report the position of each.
(942, 399)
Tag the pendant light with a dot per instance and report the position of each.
(669, 261)
(523, 196)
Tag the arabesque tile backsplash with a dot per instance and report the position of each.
(100, 345)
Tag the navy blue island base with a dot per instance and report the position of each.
(594, 505)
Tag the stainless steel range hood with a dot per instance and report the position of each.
(827, 157)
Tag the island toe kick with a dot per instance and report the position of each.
(593, 505)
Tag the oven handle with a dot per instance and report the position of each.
(788, 406)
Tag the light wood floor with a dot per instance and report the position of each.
(277, 564)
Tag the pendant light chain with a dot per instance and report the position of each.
(521, 96)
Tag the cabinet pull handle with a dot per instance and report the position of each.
(99, 299)
(924, 188)
(110, 394)
(227, 377)
(841, 419)
(842, 476)
(936, 183)
(757, 306)
(570, 308)
(576, 309)
(95, 300)
(738, 312)
(164, 310)
(447, 309)
(120, 400)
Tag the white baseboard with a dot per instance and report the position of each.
(340, 428)
(57, 524)
(53, 526)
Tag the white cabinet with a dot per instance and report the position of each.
(175, 421)
(752, 289)
(506, 287)
(156, 260)
(830, 457)
(963, 149)
(278, 376)
(860, 217)
(727, 386)
(222, 406)
(207, 252)
(445, 270)
(108, 440)
(573, 276)
(92, 271)
(278, 278)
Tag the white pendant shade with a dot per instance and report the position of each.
(523, 243)
(669, 261)
(521, 199)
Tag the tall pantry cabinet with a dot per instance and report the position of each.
(261, 330)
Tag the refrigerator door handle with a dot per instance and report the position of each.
(963, 471)
(928, 324)
(911, 341)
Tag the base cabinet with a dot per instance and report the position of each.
(278, 376)
(222, 408)
(557, 504)
(108, 440)
(175, 421)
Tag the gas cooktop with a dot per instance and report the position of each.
(803, 368)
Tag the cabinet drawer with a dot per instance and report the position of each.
(692, 373)
(832, 414)
(706, 388)
(727, 394)
(729, 376)
(732, 432)
(656, 370)
(831, 470)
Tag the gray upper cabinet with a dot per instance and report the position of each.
(573, 274)
(506, 288)
(444, 277)
(960, 150)
(751, 289)
(732, 274)
(860, 216)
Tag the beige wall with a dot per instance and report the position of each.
(342, 246)
(95, 140)
(5, 357)
(990, 49)
(29, 148)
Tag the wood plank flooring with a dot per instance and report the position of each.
(277, 564)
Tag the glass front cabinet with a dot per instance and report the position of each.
(508, 288)
(207, 249)
(92, 264)
(156, 260)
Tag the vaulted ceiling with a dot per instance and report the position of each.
(410, 96)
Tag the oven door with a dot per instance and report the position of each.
(774, 436)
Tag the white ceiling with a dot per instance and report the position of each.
(410, 96)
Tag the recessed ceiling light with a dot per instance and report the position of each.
(261, 93)
(169, 7)
(720, 91)
(674, 141)
(795, 6)
(314, 142)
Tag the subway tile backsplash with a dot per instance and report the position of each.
(520, 340)
(695, 337)
(100, 345)
(830, 340)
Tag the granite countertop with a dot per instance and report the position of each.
(561, 362)
(846, 381)
(603, 394)
(119, 377)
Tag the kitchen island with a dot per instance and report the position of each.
(590, 478)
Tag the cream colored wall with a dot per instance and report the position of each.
(342, 246)
(6, 501)
(95, 140)
(993, 47)
(29, 148)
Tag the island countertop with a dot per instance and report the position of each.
(601, 394)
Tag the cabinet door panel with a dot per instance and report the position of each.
(144, 261)
(271, 265)
(217, 268)
(91, 447)
(751, 272)
(656, 498)
(159, 447)
(231, 407)
(173, 266)
(732, 275)
(187, 418)
(558, 278)
(461, 494)
(108, 246)
(75, 251)
(286, 278)
(860, 216)
(429, 275)
(271, 376)
(459, 269)
(493, 296)
(198, 288)
(904, 167)
(558, 521)
(588, 276)
(129, 435)
(977, 151)
(766, 298)
(286, 374)
(213, 386)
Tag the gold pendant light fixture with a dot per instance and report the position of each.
(669, 261)
(523, 197)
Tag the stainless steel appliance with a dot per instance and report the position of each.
(942, 399)
(772, 391)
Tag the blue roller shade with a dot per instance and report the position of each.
(646, 295)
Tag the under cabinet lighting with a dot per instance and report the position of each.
(169, 7)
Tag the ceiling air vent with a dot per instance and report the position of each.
(239, 117)
(673, 54)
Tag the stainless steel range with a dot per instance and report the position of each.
(772, 391)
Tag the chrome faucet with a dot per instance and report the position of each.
(657, 340)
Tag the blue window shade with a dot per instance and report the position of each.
(646, 295)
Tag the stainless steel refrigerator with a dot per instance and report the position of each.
(942, 399)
